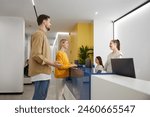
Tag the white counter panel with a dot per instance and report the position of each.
(118, 87)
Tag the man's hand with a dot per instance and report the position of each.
(54, 64)
(57, 64)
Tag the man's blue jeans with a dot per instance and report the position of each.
(41, 89)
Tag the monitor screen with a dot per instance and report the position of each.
(123, 66)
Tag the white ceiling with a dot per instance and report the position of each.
(66, 13)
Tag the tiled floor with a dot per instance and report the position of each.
(28, 93)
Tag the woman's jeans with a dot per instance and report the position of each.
(41, 89)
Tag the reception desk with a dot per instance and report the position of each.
(116, 87)
(106, 86)
(78, 88)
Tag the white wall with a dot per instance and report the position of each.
(103, 33)
(12, 36)
(134, 34)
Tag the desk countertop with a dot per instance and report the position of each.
(136, 84)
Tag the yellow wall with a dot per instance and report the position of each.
(82, 34)
(85, 34)
(73, 42)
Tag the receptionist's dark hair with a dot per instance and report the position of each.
(100, 60)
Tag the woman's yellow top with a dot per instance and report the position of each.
(62, 71)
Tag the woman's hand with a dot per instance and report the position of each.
(57, 64)
(73, 65)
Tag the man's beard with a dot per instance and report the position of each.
(48, 29)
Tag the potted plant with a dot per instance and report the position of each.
(84, 53)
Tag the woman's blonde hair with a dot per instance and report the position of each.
(61, 42)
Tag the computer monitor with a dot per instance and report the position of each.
(123, 66)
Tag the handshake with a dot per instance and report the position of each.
(57, 64)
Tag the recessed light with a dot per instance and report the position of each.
(96, 13)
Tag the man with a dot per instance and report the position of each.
(39, 62)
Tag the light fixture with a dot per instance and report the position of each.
(33, 3)
(96, 13)
(142, 6)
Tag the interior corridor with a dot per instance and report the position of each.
(28, 93)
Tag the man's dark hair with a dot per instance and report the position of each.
(41, 18)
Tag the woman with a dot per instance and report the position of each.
(63, 71)
(99, 67)
(116, 53)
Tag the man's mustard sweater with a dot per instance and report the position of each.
(40, 54)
